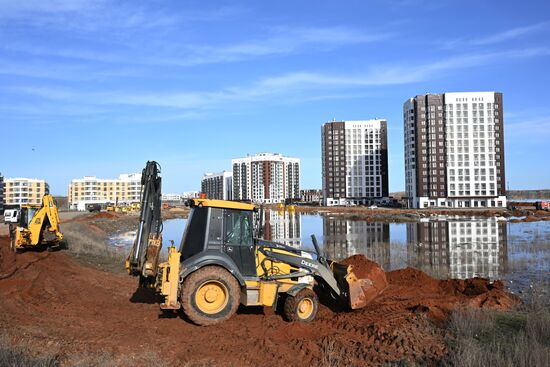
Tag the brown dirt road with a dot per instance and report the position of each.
(57, 305)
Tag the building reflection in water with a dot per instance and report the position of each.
(458, 248)
(343, 238)
(283, 227)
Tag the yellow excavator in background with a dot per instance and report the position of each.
(37, 225)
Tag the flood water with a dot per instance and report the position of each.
(443, 247)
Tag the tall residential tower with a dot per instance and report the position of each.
(355, 161)
(266, 178)
(454, 150)
(218, 185)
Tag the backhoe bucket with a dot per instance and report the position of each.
(357, 293)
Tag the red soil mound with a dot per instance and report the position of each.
(80, 310)
(106, 215)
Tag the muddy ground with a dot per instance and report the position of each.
(56, 304)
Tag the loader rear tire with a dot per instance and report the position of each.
(301, 307)
(210, 295)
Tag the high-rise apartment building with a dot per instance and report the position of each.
(21, 191)
(355, 161)
(266, 178)
(218, 185)
(92, 190)
(454, 150)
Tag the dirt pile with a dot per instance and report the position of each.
(58, 305)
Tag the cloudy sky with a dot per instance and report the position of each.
(98, 87)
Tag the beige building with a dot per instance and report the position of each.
(93, 190)
(20, 191)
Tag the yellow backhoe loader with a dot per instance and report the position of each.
(221, 263)
(36, 226)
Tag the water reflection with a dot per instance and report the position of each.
(458, 248)
(343, 238)
(282, 226)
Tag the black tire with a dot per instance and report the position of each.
(301, 307)
(210, 295)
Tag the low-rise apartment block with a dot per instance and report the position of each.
(92, 190)
(312, 196)
(21, 191)
(171, 197)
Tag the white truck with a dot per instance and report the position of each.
(11, 215)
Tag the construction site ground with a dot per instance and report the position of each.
(54, 303)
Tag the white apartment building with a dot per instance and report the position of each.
(92, 190)
(354, 162)
(218, 185)
(454, 150)
(171, 197)
(266, 178)
(21, 191)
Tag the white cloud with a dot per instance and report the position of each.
(291, 86)
(275, 41)
(510, 34)
(503, 36)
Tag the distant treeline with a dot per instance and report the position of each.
(528, 194)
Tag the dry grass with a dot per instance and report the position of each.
(515, 338)
(23, 356)
(332, 355)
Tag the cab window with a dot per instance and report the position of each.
(237, 228)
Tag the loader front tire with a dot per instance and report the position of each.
(301, 307)
(210, 295)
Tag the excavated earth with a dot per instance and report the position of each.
(54, 304)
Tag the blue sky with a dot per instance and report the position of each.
(98, 87)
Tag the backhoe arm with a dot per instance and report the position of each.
(143, 258)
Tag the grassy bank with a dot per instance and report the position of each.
(88, 242)
(21, 356)
(519, 337)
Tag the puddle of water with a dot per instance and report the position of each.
(453, 247)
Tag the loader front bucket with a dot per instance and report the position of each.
(358, 292)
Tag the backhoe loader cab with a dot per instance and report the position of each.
(225, 227)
